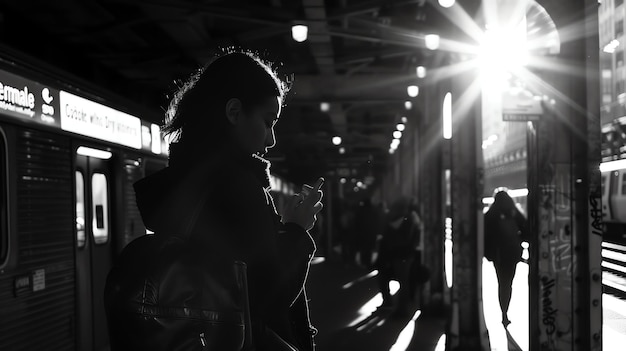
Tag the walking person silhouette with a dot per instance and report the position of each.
(505, 229)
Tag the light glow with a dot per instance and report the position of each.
(521, 192)
(406, 335)
(611, 46)
(446, 3)
(412, 90)
(448, 255)
(503, 49)
(441, 343)
(299, 32)
(336, 140)
(397, 134)
(612, 165)
(400, 126)
(447, 116)
(324, 106)
(518, 192)
(97, 153)
(408, 105)
(156, 138)
(431, 41)
(420, 71)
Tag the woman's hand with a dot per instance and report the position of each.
(303, 206)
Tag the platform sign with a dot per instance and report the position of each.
(89, 118)
(28, 100)
(520, 106)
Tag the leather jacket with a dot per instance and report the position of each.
(221, 212)
(164, 295)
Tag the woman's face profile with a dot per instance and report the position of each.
(254, 131)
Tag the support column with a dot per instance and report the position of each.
(431, 199)
(564, 198)
(466, 328)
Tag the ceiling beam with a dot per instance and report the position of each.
(357, 88)
(323, 53)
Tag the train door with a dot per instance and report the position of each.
(94, 244)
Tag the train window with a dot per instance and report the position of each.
(80, 209)
(624, 183)
(100, 208)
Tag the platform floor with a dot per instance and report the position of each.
(344, 308)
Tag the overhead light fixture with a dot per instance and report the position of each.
(503, 50)
(97, 153)
(299, 32)
(342, 150)
(408, 105)
(324, 106)
(336, 140)
(413, 90)
(403, 119)
(420, 71)
(431, 41)
(400, 126)
(397, 134)
(446, 3)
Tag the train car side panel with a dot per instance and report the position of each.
(37, 293)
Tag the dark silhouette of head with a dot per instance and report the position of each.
(402, 206)
(196, 115)
(503, 203)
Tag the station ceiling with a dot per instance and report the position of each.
(360, 56)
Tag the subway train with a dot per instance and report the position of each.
(66, 157)
(614, 200)
(613, 170)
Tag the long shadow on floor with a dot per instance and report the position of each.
(340, 295)
(381, 331)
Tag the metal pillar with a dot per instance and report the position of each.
(465, 328)
(430, 190)
(564, 191)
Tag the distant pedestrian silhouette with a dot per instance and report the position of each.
(505, 229)
(368, 224)
(397, 253)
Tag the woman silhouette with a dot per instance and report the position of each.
(505, 229)
(214, 198)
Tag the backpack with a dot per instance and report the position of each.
(164, 294)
